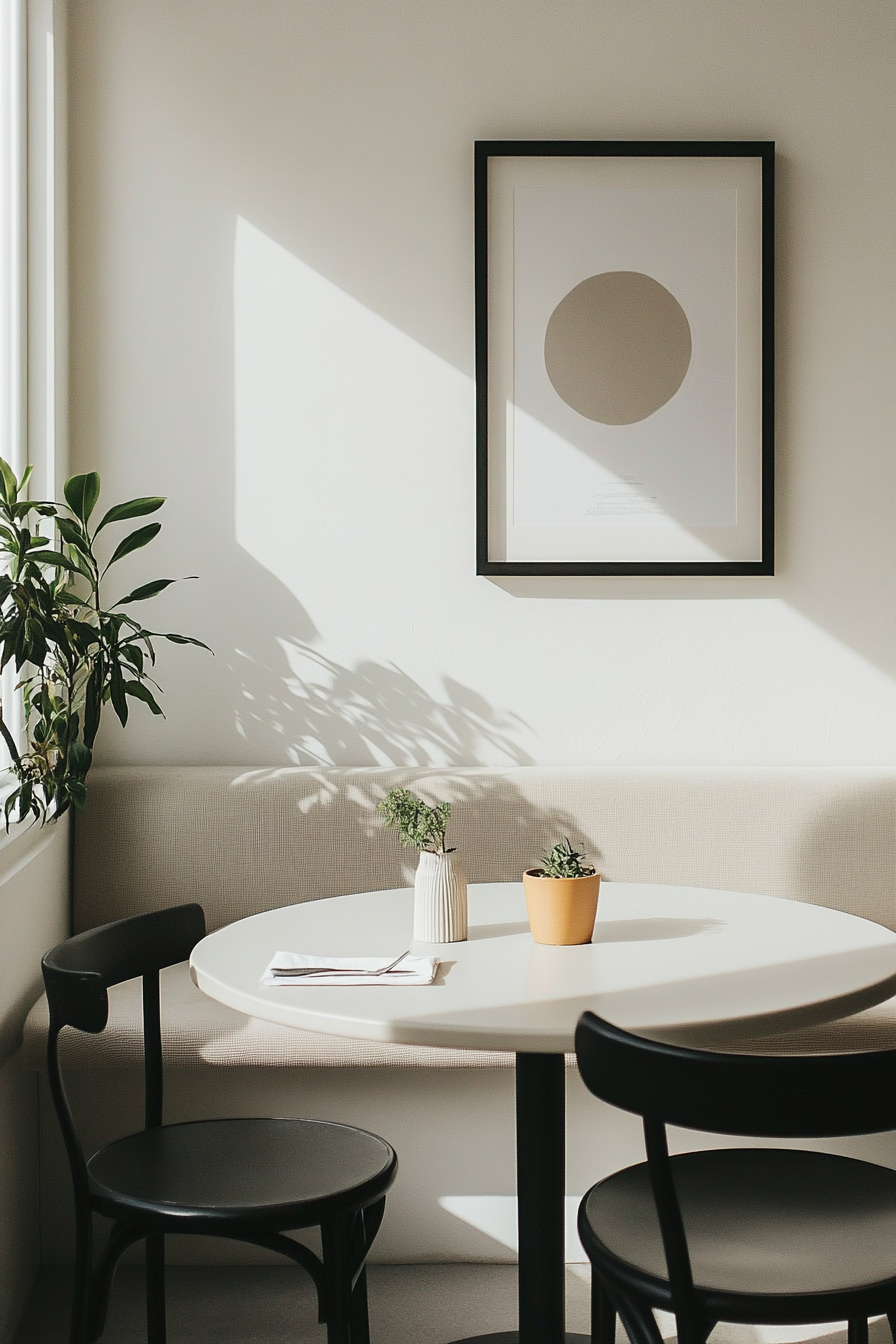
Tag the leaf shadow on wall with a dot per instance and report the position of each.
(313, 710)
(273, 696)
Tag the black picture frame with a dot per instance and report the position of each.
(499, 163)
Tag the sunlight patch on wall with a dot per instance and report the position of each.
(495, 1215)
(334, 419)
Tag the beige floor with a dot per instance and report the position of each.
(409, 1304)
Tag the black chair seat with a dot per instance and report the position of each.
(762, 1222)
(277, 1174)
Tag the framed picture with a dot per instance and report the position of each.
(624, 361)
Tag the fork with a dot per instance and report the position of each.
(295, 971)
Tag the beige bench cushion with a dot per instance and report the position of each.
(198, 1031)
(875, 1029)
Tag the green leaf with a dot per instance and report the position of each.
(36, 650)
(10, 741)
(9, 486)
(82, 493)
(93, 704)
(72, 599)
(52, 558)
(144, 591)
(87, 634)
(134, 508)
(117, 696)
(10, 648)
(71, 533)
(80, 566)
(142, 537)
(138, 691)
(133, 656)
(79, 758)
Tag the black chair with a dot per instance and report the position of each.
(252, 1180)
(756, 1235)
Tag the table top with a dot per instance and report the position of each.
(669, 962)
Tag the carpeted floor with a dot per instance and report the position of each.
(409, 1304)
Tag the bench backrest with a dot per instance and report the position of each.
(240, 840)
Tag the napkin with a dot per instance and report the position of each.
(409, 971)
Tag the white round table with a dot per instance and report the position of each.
(669, 962)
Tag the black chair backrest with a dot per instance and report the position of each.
(78, 972)
(77, 975)
(775, 1096)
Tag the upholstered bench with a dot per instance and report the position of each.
(240, 841)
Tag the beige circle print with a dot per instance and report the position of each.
(617, 347)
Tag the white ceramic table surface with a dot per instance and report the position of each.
(663, 960)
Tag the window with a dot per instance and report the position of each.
(32, 239)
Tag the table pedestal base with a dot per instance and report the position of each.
(540, 1191)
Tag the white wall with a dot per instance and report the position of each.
(272, 324)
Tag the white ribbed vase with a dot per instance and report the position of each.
(440, 899)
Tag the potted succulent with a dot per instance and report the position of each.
(561, 896)
(71, 654)
(440, 888)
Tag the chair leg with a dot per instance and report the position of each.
(603, 1313)
(121, 1236)
(857, 1331)
(360, 1324)
(638, 1320)
(79, 1331)
(155, 1289)
(336, 1243)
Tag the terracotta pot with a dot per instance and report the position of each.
(562, 910)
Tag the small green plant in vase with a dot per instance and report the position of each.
(561, 896)
(417, 823)
(440, 888)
